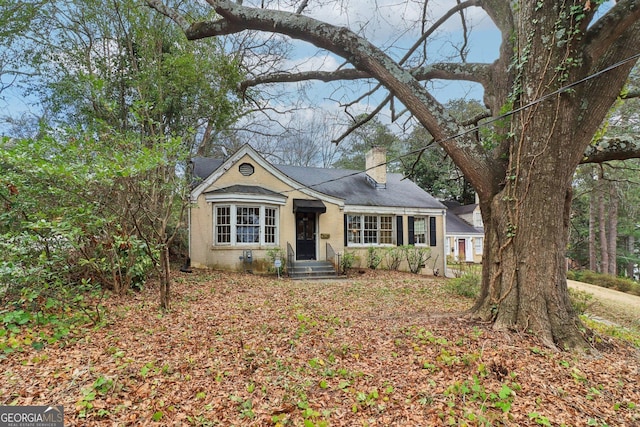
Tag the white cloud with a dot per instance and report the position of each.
(319, 62)
(385, 20)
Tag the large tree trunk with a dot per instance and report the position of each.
(524, 268)
(602, 221)
(593, 258)
(613, 230)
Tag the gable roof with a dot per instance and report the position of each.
(456, 225)
(349, 185)
(458, 208)
(207, 170)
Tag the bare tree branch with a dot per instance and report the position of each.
(465, 35)
(363, 120)
(475, 72)
(169, 13)
(608, 29)
(302, 7)
(635, 93)
(366, 57)
(608, 149)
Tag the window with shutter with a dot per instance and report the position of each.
(432, 231)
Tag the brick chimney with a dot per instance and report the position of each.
(376, 164)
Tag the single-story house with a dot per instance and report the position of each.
(465, 232)
(244, 206)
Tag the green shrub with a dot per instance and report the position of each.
(373, 258)
(580, 300)
(272, 255)
(467, 285)
(621, 284)
(416, 257)
(347, 261)
(393, 257)
(624, 284)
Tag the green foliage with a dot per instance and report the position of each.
(618, 182)
(580, 300)
(276, 253)
(347, 261)
(374, 257)
(46, 313)
(467, 285)
(621, 284)
(63, 225)
(629, 335)
(431, 168)
(393, 257)
(372, 133)
(416, 257)
(100, 387)
(474, 391)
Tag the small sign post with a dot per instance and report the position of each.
(277, 264)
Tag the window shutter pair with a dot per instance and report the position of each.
(399, 231)
(432, 230)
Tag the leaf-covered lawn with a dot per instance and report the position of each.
(378, 349)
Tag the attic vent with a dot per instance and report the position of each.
(246, 169)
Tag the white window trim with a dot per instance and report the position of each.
(362, 230)
(478, 245)
(234, 219)
(427, 231)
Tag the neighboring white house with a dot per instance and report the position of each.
(465, 232)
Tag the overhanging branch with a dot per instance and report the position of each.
(169, 13)
(616, 148)
(609, 28)
(474, 72)
(635, 93)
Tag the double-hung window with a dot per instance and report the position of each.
(245, 224)
(478, 245)
(370, 229)
(422, 230)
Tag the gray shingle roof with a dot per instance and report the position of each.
(350, 185)
(456, 225)
(244, 189)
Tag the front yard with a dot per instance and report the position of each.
(377, 349)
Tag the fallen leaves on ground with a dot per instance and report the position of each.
(378, 349)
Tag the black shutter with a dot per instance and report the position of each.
(399, 231)
(432, 231)
(346, 235)
(412, 238)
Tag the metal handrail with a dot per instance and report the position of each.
(291, 256)
(333, 258)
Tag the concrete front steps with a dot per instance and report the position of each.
(301, 270)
